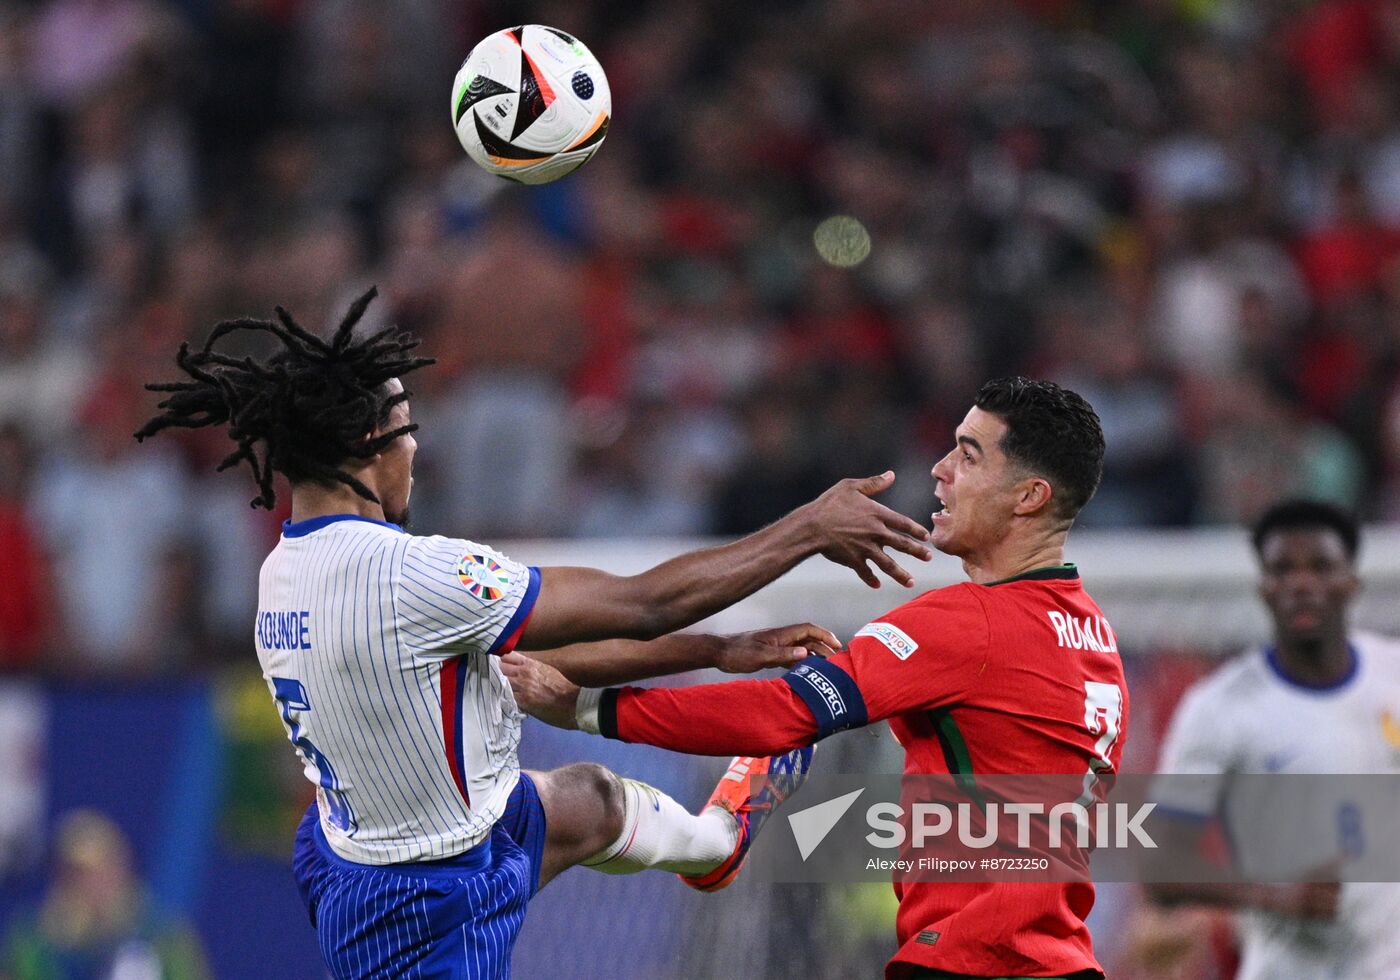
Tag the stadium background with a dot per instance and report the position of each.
(1189, 210)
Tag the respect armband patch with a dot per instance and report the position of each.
(829, 693)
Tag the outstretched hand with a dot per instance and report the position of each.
(855, 530)
(540, 690)
(781, 646)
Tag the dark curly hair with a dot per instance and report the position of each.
(1307, 515)
(302, 412)
(1052, 432)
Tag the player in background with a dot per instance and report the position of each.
(381, 651)
(1321, 698)
(1014, 671)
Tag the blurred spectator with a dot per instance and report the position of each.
(1191, 211)
(96, 922)
(24, 781)
(81, 46)
(42, 377)
(1261, 448)
(19, 117)
(215, 567)
(1147, 478)
(499, 421)
(502, 456)
(111, 512)
(776, 472)
(130, 159)
(1349, 253)
(623, 492)
(115, 280)
(1389, 498)
(25, 601)
(858, 430)
(246, 55)
(1203, 293)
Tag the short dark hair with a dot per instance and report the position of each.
(1052, 432)
(1300, 514)
(306, 410)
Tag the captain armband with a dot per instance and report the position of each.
(829, 693)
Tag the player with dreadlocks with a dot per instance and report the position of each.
(381, 650)
(309, 406)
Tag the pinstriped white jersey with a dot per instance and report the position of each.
(1248, 717)
(379, 649)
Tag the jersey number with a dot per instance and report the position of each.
(1103, 716)
(291, 696)
(1352, 841)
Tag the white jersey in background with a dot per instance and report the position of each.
(379, 649)
(1246, 717)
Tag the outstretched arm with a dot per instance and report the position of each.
(882, 674)
(623, 661)
(817, 698)
(752, 717)
(578, 605)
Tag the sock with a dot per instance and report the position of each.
(657, 832)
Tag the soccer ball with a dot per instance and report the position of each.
(531, 104)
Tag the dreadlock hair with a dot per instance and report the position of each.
(302, 412)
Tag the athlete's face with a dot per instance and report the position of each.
(979, 487)
(394, 464)
(1308, 582)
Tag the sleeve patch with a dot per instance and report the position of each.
(483, 577)
(829, 693)
(899, 642)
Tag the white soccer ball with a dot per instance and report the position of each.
(531, 103)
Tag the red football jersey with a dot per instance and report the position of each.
(1020, 676)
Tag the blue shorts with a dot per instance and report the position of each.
(454, 918)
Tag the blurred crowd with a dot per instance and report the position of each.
(1188, 210)
(96, 919)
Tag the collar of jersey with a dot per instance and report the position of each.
(303, 528)
(1067, 570)
(1271, 658)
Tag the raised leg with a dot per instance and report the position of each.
(620, 826)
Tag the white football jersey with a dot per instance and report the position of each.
(1246, 717)
(379, 649)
